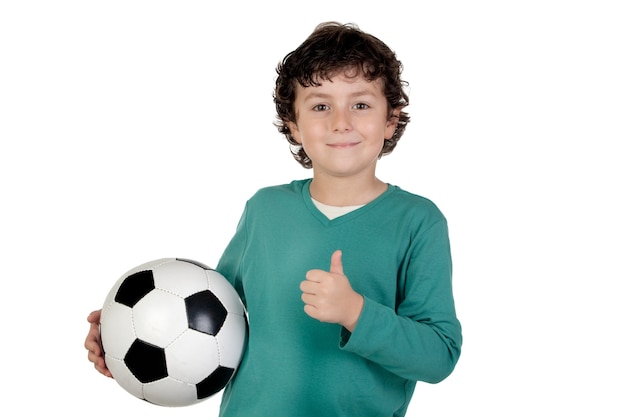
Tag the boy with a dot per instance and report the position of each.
(352, 338)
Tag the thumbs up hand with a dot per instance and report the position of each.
(329, 297)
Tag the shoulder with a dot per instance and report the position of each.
(411, 212)
(278, 194)
(293, 188)
(413, 203)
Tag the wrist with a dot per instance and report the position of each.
(354, 313)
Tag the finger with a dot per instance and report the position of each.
(336, 265)
(307, 287)
(93, 346)
(311, 311)
(102, 368)
(94, 317)
(315, 275)
(94, 357)
(308, 299)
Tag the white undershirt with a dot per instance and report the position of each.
(332, 212)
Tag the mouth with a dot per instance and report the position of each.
(343, 145)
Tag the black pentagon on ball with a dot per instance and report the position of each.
(205, 312)
(146, 361)
(135, 287)
(214, 382)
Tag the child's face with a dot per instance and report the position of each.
(342, 124)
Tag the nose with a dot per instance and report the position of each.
(341, 121)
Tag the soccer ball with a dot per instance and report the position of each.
(173, 332)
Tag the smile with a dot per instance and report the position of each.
(343, 145)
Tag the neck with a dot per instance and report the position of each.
(341, 192)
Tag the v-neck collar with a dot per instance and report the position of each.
(308, 202)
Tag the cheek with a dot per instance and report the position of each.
(378, 130)
(308, 132)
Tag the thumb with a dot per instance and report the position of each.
(336, 266)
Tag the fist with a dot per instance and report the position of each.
(329, 297)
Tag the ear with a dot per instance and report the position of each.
(295, 132)
(392, 123)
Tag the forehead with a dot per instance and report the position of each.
(341, 83)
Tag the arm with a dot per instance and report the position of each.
(421, 338)
(230, 260)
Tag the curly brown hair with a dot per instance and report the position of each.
(330, 49)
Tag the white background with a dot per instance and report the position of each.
(134, 130)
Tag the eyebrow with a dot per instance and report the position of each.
(316, 95)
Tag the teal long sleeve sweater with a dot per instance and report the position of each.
(396, 254)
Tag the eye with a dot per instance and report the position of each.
(320, 107)
(361, 106)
